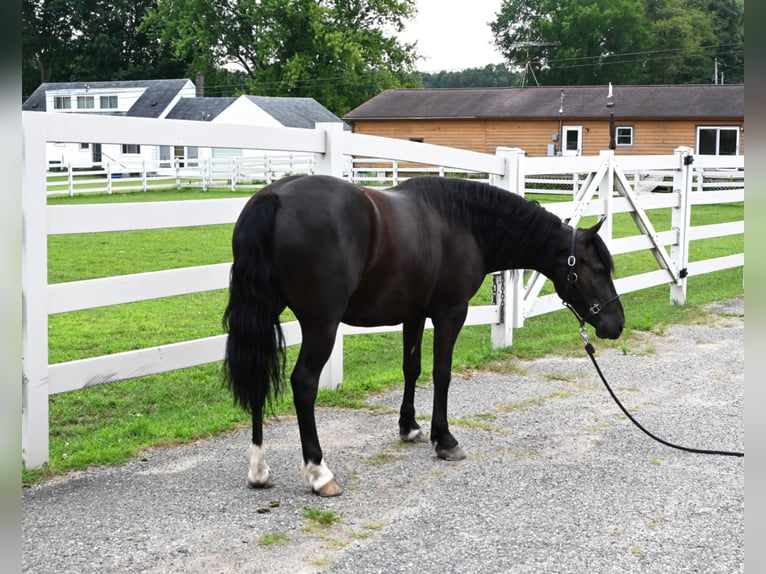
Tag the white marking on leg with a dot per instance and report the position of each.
(316, 475)
(258, 473)
(413, 435)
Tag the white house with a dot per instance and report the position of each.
(171, 99)
(245, 110)
(135, 98)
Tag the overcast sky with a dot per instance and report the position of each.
(454, 34)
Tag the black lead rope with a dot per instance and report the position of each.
(589, 348)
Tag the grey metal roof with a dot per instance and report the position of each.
(155, 99)
(640, 102)
(200, 109)
(296, 112)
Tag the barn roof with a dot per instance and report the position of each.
(155, 99)
(640, 102)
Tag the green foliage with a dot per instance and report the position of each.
(340, 53)
(490, 76)
(587, 42)
(80, 40)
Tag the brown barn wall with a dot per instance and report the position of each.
(651, 137)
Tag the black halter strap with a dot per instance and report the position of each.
(572, 283)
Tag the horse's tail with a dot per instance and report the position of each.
(255, 357)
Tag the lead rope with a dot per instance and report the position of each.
(590, 350)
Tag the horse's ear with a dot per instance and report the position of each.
(591, 232)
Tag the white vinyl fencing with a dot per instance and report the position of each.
(605, 190)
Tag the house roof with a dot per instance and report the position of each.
(644, 102)
(200, 109)
(295, 112)
(155, 99)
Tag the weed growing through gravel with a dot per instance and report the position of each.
(319, 518)
(273, 539)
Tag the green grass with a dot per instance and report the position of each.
(109, 424)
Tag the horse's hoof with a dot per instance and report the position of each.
(415, 435)
(268, 483)
(330, 489)
(454, 453)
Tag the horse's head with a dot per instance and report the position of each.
(583, 279)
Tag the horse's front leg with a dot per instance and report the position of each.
(446, 329)
(412, 338)
(315, 350)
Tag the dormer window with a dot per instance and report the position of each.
(85, 102)
(108, 102)
(62, 103)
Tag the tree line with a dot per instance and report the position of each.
(343, 52)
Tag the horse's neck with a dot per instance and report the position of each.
(522, 248)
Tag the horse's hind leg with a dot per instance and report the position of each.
(412, 338)
(258, 474)
(316, 347)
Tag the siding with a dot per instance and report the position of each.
(651, 137)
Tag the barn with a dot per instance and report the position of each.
(563, 120)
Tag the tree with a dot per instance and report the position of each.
(623, 41)
(573, 42)
(47, 29)
(340, 52)
(490, 76)
(78, 40)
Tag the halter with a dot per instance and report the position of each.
(572, 283)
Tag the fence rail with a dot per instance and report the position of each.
(605, 188)
(256, 171)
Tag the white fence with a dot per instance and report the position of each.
(605, 190)
(253, 172)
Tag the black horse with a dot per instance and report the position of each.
(335, 252)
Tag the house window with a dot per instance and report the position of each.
(165, 156)
(624, 135)
(84, 146)
(85, 102)
(718, 140)
(131, 149)
(62, 103)
(108, 102)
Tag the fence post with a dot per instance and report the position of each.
(507, 289)
(331, 163)
(34, 301)
(681, 221)
(144, 182)
(177, 168)
(70, 179)
(606, 195)
(109, 177)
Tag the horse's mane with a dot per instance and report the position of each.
(499, 220)
(602, 251)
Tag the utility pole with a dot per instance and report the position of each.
(715, 73)
(612, 129)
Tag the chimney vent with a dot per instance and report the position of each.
(199, 82)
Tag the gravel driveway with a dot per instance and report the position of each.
(556, 480)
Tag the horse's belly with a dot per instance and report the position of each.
(371, 310)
